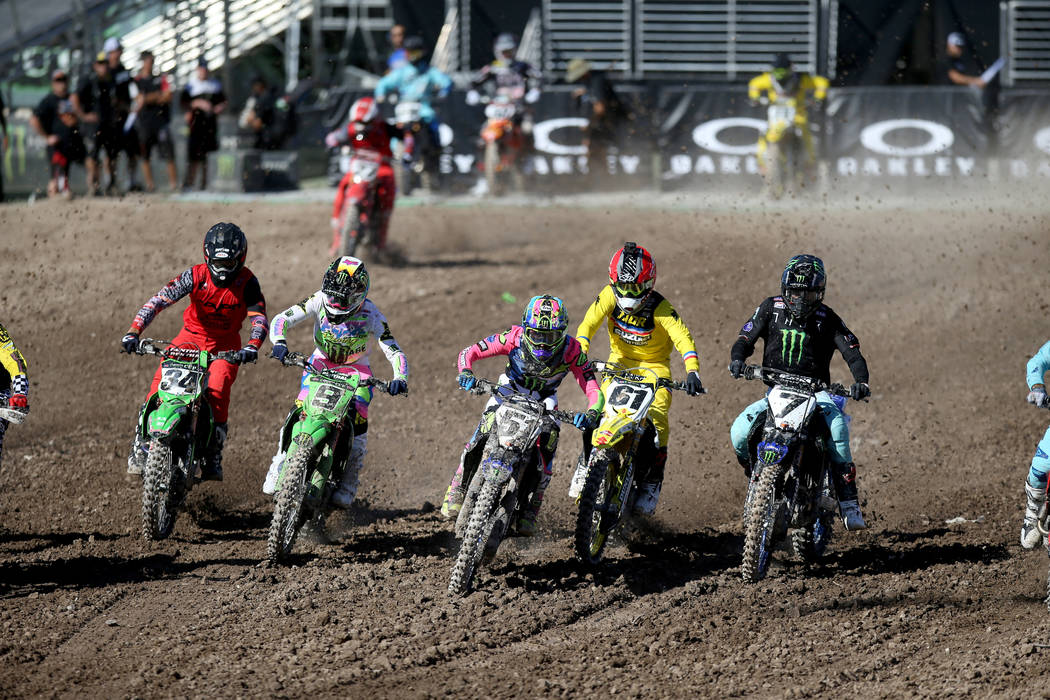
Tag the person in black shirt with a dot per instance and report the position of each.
(153, 119)
(93, 103)
(955, 69)
(268, 116)
(603, 108)
(124, 87)
(800, 336)
(203, 100)
(55, 120)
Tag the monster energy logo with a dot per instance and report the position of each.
(769, 456)
(800, 278)
(788, 338)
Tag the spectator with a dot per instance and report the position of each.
(603, 109)
(397, 57)
(269, 117)
(957, 70)
(123, 87)
(55, 120)
(3, 143)
(153, 105)
(93, 104)
(203, 100)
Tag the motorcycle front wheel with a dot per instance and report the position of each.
(163, 488)
(476, 537)
(759, 530)
(288, 508)
(594, 522)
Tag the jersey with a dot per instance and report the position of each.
(646, 335)
(514, 78)
(525, 376)
(346, 342)
(415, 83)
(765, 85)
(1038, 366)
(800, 347)
(214, 312)
(13, 377)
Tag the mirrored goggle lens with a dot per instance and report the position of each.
(224, 264)
(631, 289)
(541, 337)
(781, 73)
(340, 303)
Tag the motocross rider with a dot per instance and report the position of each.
(643, 326)
(1035, 485)
(366, 131)
(800, 335)
(540, 355)
(783, 82)
(345, 319)
(417, 81)
(14, 382)
(506, 75)
(223, 292)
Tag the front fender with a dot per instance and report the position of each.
(163, 420)
(315, 429)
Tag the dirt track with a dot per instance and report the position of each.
(948, 303)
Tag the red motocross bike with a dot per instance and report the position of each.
(358, 220)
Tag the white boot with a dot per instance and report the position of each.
(579, 478)
(344, 495)
(270, 483)
(1034, 498)
(852, 518)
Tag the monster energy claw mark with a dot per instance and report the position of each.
(787, 345)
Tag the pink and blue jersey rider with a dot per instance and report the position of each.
(345, 321)
(540, 354)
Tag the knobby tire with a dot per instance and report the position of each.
(287, 510)
(161, 492)
(590, 537)
(760, 528)
(475, 538)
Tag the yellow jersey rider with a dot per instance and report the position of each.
(643, 327)
(783, 82)
(14, 383)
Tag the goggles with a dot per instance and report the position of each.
(807, 296)
(632, 289)
(542, 337)
(227, 264)
(339, 303)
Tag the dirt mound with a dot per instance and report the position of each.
(948, 304)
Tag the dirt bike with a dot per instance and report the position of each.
(16, 416)
(785, 155)
(503, 141)
(791, 485)
(316, 442)
(619, 442)
(179, 426)
(420, 151)
(502, 484)
(359, 224)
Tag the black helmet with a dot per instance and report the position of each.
(413, 47)
(344, 286)
(781, 60)
(225, 248)
(784, 72)
(802, 285)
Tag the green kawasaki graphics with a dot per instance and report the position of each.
(179, 427)
(316, 441)
(790, 339)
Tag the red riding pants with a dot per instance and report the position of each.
(221, 373)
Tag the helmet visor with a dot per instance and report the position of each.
(223, 264)
(632, 290)
(543, 338)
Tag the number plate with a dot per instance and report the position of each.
(327, 397)
(633, 397)
(364, 169)
(781, 113)
(513, 425)
(180, 380)
(406, 112)
(500, 111)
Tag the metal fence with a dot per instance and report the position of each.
(1025, 40)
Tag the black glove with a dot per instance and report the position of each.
(736, 368)
(248, 353)
(280, 351)
(398, 386)
(130, 342)
(859, 391)
(693, 387)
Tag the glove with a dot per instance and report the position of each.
(466, 380)
(130, 342)
(473, 98)
(736, 368)
(19, 401)
(859, 391)
(247, 354)
(532, 95)
(1035, 396)
(398, 386)
(693, 387)
(280, 351)
(585, 420)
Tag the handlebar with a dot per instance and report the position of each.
(794, 381)
(148, 346)
(298, 359)
(487, 386)
(613, 370)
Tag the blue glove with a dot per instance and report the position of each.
(247, 354)
(398, 386)
(693, 387)
(585, 420)
(466, 380)
(280, 350)
(130, 342)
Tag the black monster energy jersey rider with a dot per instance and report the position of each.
(800, 347)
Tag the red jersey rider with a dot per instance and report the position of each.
(369, 136)
(222, 292)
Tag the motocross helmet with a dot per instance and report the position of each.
(225, 248)
(802, 285)
(363, 111)
(545, 323)
(344, 288)
(784, 73)
(505, 46)
(632, 274)
(413, 47)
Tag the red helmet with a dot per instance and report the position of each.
(632, 274)
(364, 110)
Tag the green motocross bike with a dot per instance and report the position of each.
(316, 442)
(179, 426)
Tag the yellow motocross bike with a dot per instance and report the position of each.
(624, 437)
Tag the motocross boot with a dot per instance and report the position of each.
(274, 471)
(1034, 499)
(649, 487)
(526, 525)
(844, 478)
(579, 477)
(139, 448)
(211, 465)
(347, 491)
(455, 493)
